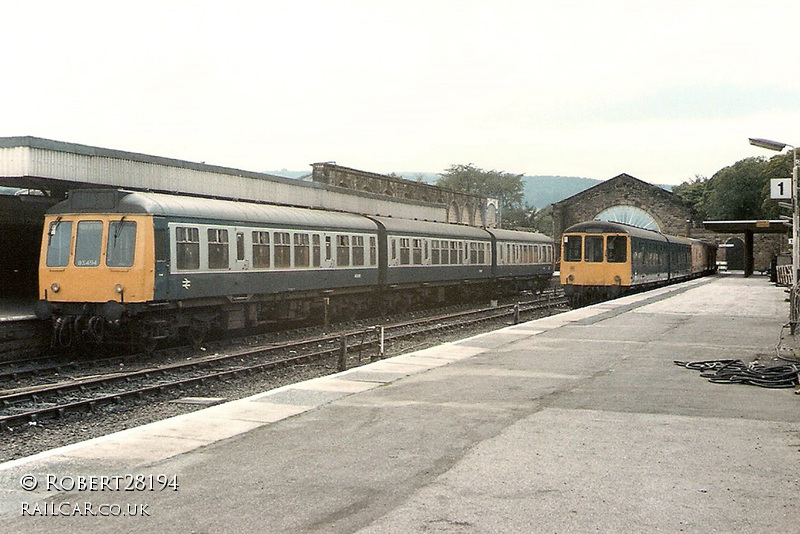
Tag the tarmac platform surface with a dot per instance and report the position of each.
(578, 422)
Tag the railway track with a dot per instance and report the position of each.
(23, 337)
(335, 351)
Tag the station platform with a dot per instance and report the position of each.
(578, 422)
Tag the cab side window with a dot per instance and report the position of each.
(121, 244)
(59, 243)
(572, 247)
(617, 249)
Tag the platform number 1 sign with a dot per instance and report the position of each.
(780, 188)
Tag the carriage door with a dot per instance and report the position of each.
(241, 261)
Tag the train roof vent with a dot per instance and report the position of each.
(95, 199)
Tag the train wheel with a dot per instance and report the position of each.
(148, 344)
(196, 333)
(144, 340)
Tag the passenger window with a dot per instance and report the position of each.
(358, 250)
(343, 250)
(572, 247)
(88, 243)
(435, 252)
(301, 250)
(617, 249)
(405, 251)
(593, 249)
(121, 243)
(283, 250)
(59, 243)
(217, 249)
(239, 246)
(187, 248)
(416, 251)
(261, 250)
(373, 251)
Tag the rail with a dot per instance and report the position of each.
(57, 400)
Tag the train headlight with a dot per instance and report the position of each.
(570, 279)
(118, 288)
(617, 280)
(55, 287)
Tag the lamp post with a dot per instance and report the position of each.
(793, 295)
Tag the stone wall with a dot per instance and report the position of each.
(673, 216)
(462, 208)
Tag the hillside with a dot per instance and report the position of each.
(538, 191)
(541, 191)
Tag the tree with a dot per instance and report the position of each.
(779, 166)
(542, 220)
(737, 192)
(505, 187)
(695, 193)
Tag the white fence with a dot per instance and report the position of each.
(785, 275)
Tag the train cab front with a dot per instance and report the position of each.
(594, 267)
(94, 270)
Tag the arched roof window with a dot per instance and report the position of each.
(630, 215)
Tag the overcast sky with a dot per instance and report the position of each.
(663, 91)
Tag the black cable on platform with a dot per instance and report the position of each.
(738, 372)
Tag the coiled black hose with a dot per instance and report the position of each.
(738, 372)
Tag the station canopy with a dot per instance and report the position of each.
(773, 226)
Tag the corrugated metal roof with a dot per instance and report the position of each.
(35, 162)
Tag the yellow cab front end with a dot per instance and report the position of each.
(595, 265)
(94, 265)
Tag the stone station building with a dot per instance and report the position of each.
(627, 199)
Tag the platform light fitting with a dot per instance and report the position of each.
(767, 143)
